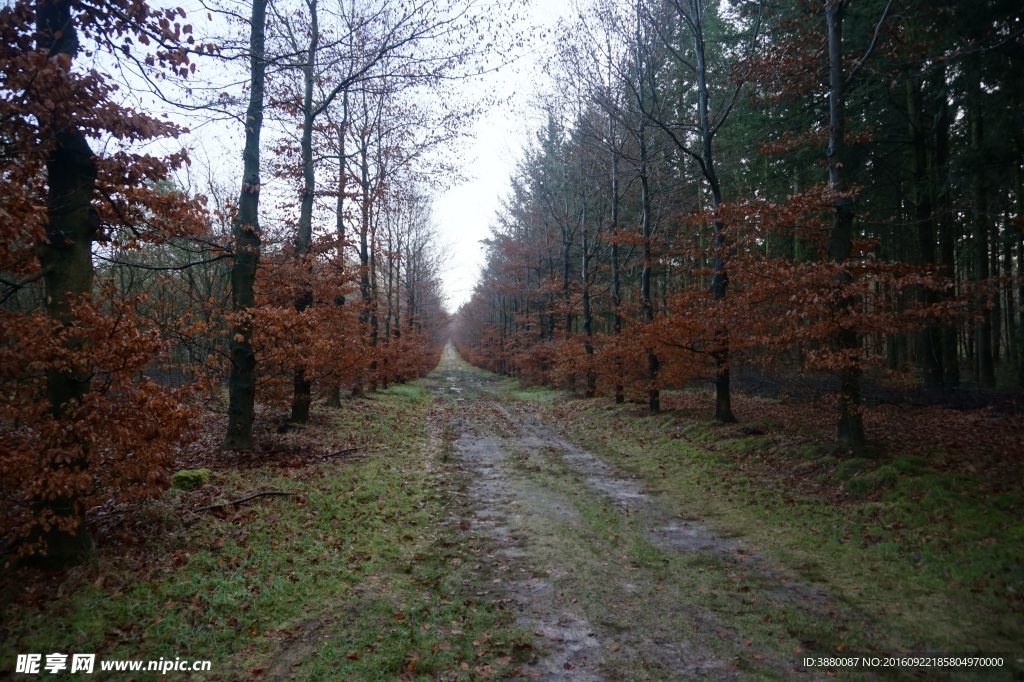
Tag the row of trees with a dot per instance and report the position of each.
(834, 185)
(118, 276)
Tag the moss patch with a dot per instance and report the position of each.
(190, 479)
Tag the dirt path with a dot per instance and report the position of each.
(582, 552)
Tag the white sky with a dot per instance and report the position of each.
(465, 213)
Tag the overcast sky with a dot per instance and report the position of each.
(465, 213)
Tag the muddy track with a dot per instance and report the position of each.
(539, 509)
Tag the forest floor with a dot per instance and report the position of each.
(639, 547)
(463, 527)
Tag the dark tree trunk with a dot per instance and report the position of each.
(720, 279)
(1019, 201)
(551, 295)
(334, 400)
(66, 261)
(620, 393)
(588, 321)
(947, 240)
(850, 430)
(374, 318)
(981, 227)
(302, 396)
(566, 292)
(931, 340)
(647, 230)
(653, 393)
(364, 240)
(66, 258)
(412, 282)
(1007, 325)
(246, 234)
(719, 288)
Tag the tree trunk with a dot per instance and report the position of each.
(334, 400)
(364, 237)
(588, 322)
(983, 337)
(943, 207)
(302, 395)
(1019, 201)
(720, 278)
(653, 393)
(246, 234)
(66, 261)
(1007, 327)
(66, 258)
(411, 284)
(566, 270)
(931, 341)
(995, 319)
(850, 429)
(374, 302)
(620, 393)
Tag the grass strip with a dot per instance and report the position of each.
(359, 574)
(927, 558)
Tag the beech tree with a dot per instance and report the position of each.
(350, 53)
(78, 425)
(247, 242)
(851, 427)
(717, 87)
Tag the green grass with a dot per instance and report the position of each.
(357, 575)
(917, 557)
(709, 598)
(537, 394)
(361, 575)
(919, 550)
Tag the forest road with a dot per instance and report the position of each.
(577, 548)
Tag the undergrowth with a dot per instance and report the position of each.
(357, 573)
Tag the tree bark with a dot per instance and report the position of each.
(850, 429)
(931, 340)
(302, 396)
(374, 290)
(1019, 204)
(66, 259)
(246, 234)
(947, 240)
(653, 393)
(985, 368)
(720, 278)
(364, 243)
(334, 399)
(588, 321)
(620, 393)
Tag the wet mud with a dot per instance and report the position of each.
(596, 615)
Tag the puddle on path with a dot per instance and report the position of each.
(664, 528)
(498, 507)
(504, 509)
